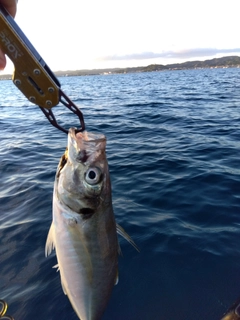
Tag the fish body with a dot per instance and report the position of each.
(233, 312)
(83, 230)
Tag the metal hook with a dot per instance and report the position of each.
(3, 311)
(71, 106)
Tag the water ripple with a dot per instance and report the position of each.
(173, 150)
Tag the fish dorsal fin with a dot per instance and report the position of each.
(124, 234)
(56, 267)
(50, 241)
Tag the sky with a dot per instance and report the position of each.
(89, 34)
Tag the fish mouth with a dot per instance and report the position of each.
(83, 146)
(85, 136)
(82, 156)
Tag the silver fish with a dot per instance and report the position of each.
(233, 312)
(83, 230)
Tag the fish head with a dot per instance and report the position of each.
(83, 181)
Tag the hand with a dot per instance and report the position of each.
(11, 6)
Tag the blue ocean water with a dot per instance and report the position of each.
(174, 153)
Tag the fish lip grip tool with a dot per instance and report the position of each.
(32, 76)
(3, 310)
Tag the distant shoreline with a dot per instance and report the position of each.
(224, 62)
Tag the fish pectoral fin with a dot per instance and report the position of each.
(119, 250)
(124, 234)
(117, 278)
(50, 241)
(63, 287)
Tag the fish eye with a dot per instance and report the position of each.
(93, 176)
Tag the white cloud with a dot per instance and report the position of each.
(182, 54)
(80, 34)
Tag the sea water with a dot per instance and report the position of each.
(173, 146)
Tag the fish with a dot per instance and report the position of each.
(83, 230)
(233, 312)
